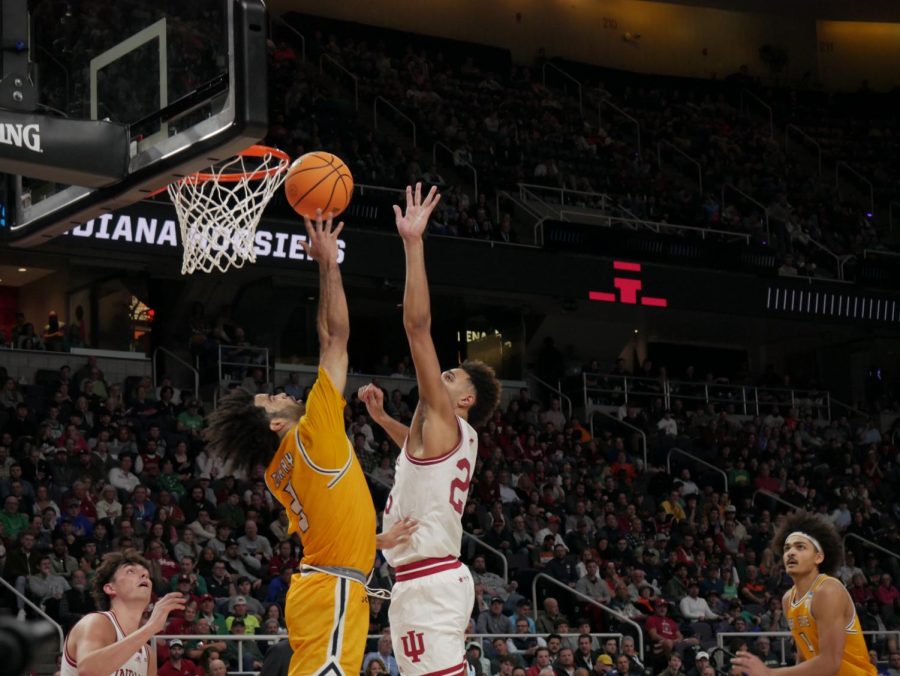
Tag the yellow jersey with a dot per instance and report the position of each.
(855, 660)
(316, 476)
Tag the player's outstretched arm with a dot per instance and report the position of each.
(372, 396)
(333, 319)
(831, 615)
(440, 431)
(94, 644)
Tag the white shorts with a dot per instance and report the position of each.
(431, 604)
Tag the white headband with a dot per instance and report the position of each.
(809, 537)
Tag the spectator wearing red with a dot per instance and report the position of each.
(178, 664)
(662, 629)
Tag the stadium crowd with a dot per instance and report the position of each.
(515, 124)
(113, 467)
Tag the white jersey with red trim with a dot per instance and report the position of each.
(434, 492)
(137, 665)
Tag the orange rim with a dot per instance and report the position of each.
(252, 151)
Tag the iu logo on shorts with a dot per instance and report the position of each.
(413, 645)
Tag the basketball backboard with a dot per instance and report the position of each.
(129, 96)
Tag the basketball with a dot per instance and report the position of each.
(318, 180)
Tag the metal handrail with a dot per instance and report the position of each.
(362, 187)
(658, 227)
(497, 552)
(274, 17)
(353, 77)
(879, 252)
(556, 390)
(764, 105)
(810, 139)
(564, 74)
(747, 197)
(396, 110)
(870, 544)
(891, 214)
(700, 461)
(180, 361)
(464, 163)
(838, 260)
(249, 365)
(621, 422)
(604, 101)
(678, 150)
(39, 611)
(574, 592)
(533, 189)
(850, 408)
(721, 636)
(773, 496)
(863, 179)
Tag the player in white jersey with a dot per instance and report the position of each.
(111, 642)
(434, 594)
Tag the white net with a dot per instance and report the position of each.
(219, 212)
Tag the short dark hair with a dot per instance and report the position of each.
(107, 571)
(487, 391)
(821, 529)
(238, 432)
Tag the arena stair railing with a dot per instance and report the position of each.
(46, 659)
(639, 637)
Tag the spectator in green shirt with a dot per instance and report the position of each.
(14, 522)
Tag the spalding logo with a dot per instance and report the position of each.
(22, 136)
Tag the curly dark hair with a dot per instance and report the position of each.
(238, 432)
(822, 530)
(487, 391)
(107, 571)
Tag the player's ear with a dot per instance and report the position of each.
(278, 424)
(109, 590)
(466, 401)
(820, 557)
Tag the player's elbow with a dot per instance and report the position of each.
(419, 322)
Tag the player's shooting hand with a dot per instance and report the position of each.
(749, 664)
(412, 222)
(167, 604)
(372, 396)
(322, 239)
(399, 533)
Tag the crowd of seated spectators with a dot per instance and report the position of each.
(675, 553)
(503, 120)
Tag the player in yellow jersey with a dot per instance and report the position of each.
(818, 608)
(312, 470)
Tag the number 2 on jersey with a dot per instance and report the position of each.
(297, 508)
(462, 485)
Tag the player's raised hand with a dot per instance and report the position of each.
(167, 604)
(372, 396)
(322, 239)
(399, 533)
(412, 222)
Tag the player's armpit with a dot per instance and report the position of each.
(323, 439)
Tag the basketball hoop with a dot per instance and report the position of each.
(219, 210)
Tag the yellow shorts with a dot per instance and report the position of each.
(327, 620)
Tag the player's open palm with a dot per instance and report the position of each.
(167, 604)
(412, 221)
(372, 396)
(322, 238)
